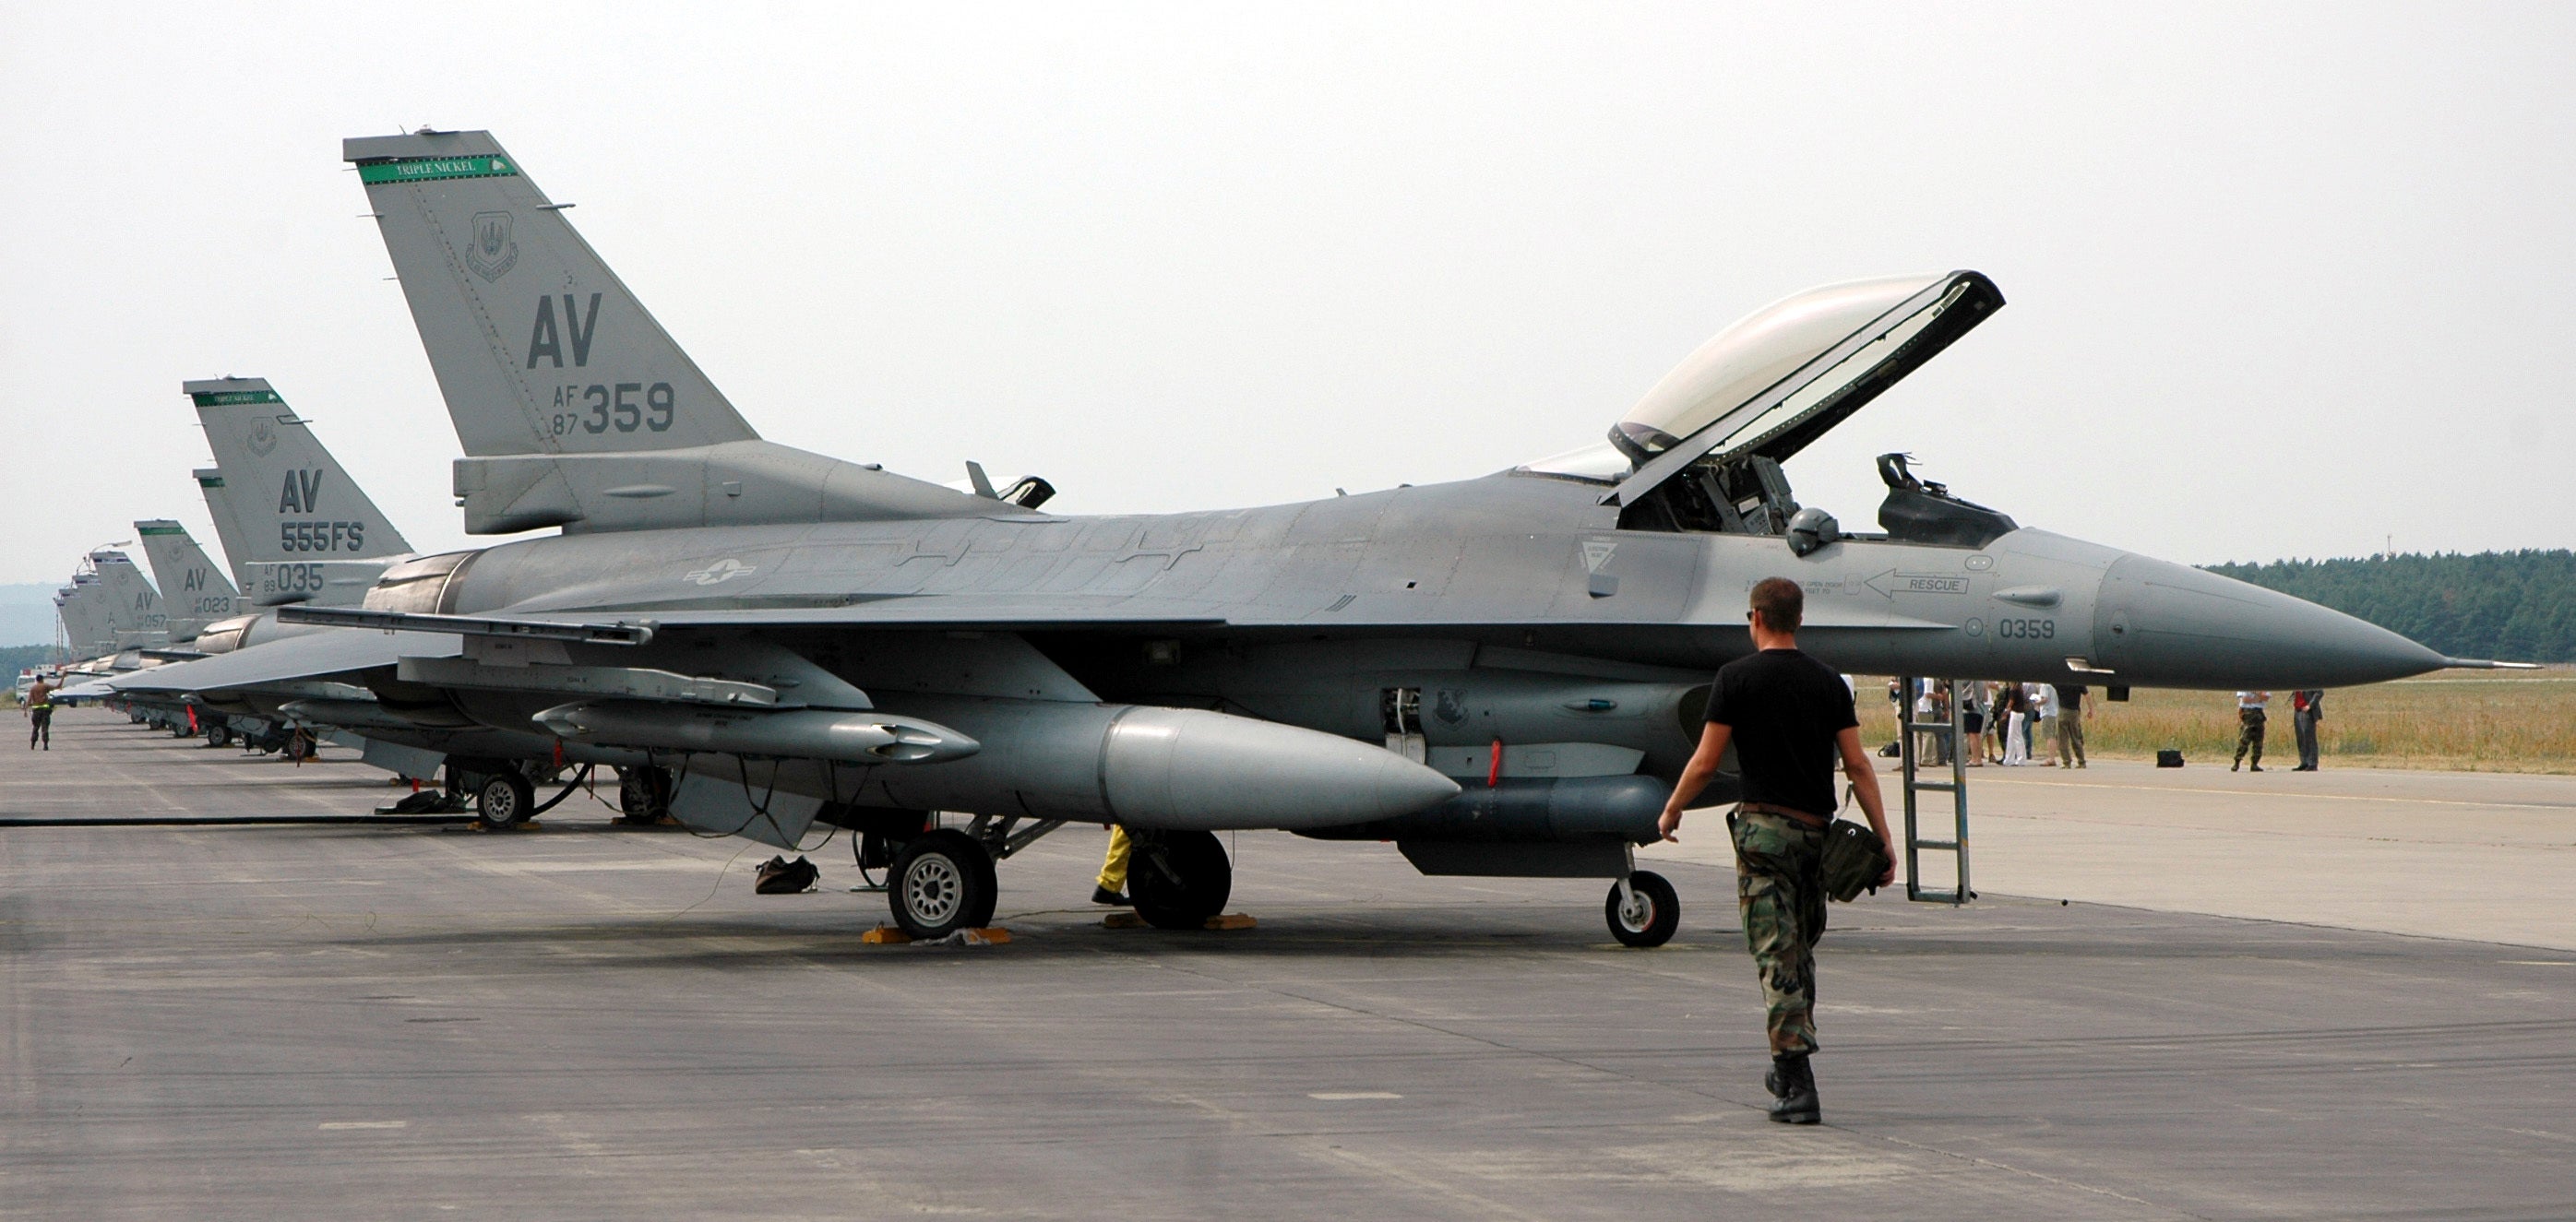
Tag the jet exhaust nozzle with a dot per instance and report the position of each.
(847, 737)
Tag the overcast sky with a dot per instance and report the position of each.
(2284, 281)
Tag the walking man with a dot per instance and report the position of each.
(2249, 727)
(2070, 725)
(40, 713)
(2306, 710)
(1790, 720)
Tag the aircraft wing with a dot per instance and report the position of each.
(308, 656)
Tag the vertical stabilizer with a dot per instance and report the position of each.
(228, 527)
(308, 532)
(194, 590)
(538, 347)
(291, 498)
(133, 607)
(85, 628)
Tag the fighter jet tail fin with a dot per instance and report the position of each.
(132, 606)
(575, 407)
(194, 589)
(538, 346)
(228, 528)
(292, 500)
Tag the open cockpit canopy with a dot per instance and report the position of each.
(1792, 370)
(1702, 450)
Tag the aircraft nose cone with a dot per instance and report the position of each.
(2168, 625)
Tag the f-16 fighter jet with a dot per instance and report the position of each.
(1501, 675)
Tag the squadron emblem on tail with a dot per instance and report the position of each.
(491, 253)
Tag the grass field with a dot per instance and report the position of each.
(2479, 721)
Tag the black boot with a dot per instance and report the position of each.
(1793, 1090)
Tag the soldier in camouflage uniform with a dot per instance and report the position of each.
(2249, 727)
(1789, 718)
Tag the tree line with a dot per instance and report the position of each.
(2513, 606)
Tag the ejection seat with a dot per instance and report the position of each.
(1919, 511)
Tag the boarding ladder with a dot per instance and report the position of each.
(1952, 735)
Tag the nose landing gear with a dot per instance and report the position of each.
(1643, 910)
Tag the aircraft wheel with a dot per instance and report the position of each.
(505, 799)
(644, 794)
(942, 882)
(219, 736)
(1179, 879)
(1650, 913)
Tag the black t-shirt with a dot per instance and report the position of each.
(2068, 696)
(1785, 709)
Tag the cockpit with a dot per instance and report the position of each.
(1702, 451)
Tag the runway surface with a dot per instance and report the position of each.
(405, 1021)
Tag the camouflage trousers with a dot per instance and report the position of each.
(1779, 888)
(2249, 734)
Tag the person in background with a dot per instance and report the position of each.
(1895, 705)
(2044, 706)
(1972, 722)
(2016, 726)
(2029, 721)
(1112, 888)
(1927, 709)
(2306, 710)
(40, 713)
(2070, 725)
(1998, 714)
(2249, 727)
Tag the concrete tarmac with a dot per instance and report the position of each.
(407, 1021)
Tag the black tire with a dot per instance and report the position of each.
(1179, 879)
(505, 799)
(1653, 918)
(644, 794)
(941, 882)
(220, 736)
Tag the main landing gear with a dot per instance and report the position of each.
(1643, 909)
(939, 880)
(942, 882)
(1178, 880)
(505, 798)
